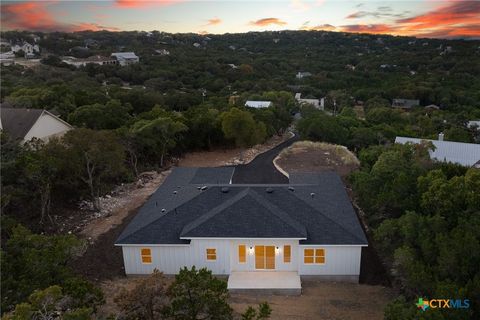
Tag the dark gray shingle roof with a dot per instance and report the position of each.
(17, 122)
(245, 211)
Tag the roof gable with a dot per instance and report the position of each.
(246, 215)
(316, 210)
(17, 122)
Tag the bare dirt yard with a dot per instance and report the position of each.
(307, 156)
(323, 300)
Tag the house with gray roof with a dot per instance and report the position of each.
(405, 103)
(125, 58)
(465, 154)
(26, 124)
(249, 232)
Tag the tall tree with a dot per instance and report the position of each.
(240, 126)
(96, 158)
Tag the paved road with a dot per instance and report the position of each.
(261, 169)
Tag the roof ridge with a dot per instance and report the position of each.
(328, 218)
(213, 212)
(279, 212)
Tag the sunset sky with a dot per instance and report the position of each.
(425, 18)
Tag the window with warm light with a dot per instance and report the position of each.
(242, 253)
(316, 256)
(287, 254)
(146, 254)
(211, 254)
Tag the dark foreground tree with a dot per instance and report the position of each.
(197, 294)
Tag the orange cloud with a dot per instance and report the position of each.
(457, 19)
(32, 15)
(267, 21)
(320, 27)
(142, 3)
(214, 21)
(368, 28)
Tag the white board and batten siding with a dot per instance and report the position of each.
(339, 260)
(170, 258)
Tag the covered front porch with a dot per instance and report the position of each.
(265, 282)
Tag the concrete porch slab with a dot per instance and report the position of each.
(267, 282)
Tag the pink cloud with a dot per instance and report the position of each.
(267, 21)
(214, 21)
(33, 15)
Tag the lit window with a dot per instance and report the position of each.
(316, 256)
(146, 255)
(242, 253)
(287, 254)
(211, 254)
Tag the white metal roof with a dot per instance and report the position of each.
(473, 123)
(125, 55)
(258, 104)
(466, 154)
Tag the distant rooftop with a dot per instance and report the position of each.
(258, 104)
(465, 154)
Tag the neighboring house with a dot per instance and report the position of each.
(317, 103)
(258, 104)
(405, 103)
(474, 123)
(126, 58)
(301, 75)
(198, 218)
(93, 59)
(25, 124)
(26, 47)
(465, 154)
(163, 52)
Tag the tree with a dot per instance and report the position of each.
(147, 300)
(31, 261)
(48, 304)
(98, 116)
(240, 126)
(197, 294)
(158, 136)
(96, 158)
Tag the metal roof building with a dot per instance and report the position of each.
(465, 154)
(258, 104)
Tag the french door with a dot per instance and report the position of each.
(264, 257)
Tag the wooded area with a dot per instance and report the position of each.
(424, 216)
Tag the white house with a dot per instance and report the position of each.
(301, 75)
(465, 154)
(25, 124)
(26, 47)
(93, 59)
(261, 236)
(258, 104)
(126, 58)
(473, 124)
(317, 103)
